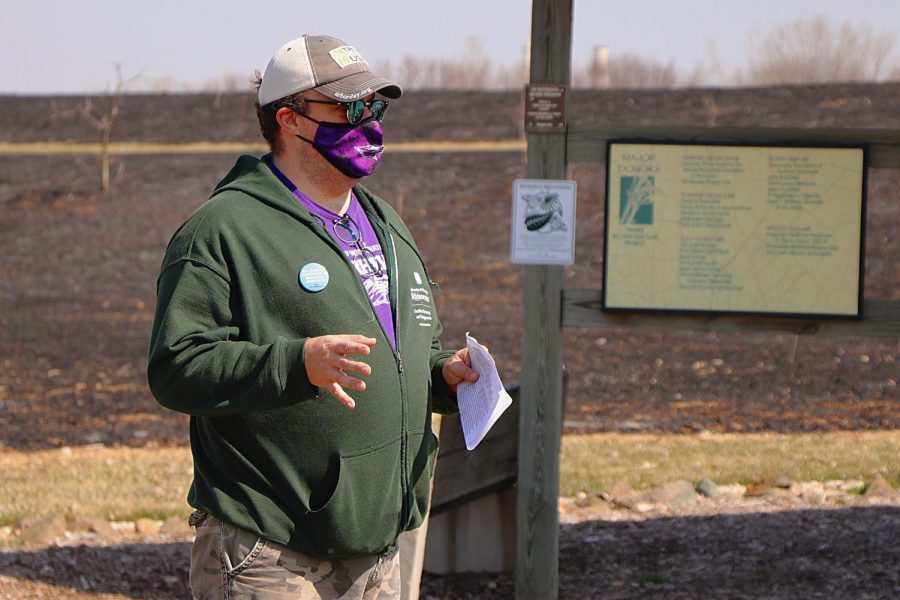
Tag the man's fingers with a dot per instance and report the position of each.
(338, 392)
(460, 371)
(466, 357)
(343, 348)
(469, 374)
(353, 344)
(345, 380)
(345, 364)
(326, 360)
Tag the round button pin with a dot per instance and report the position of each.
(313, 277)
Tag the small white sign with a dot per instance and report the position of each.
(543, 222)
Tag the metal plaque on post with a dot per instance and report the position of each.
(545, 108)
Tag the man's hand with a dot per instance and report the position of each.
(325, 358)
(458, 368)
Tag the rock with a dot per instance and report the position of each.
(643, 507)
(565, 505)
(706, 487)
(584, 500)
(812, 491)
(783, 482)
(176, 526)
(147, 526)
(673, 495)
(732, 490)
(622, 494)
(621, 488)
(844, 485)
(94, 437)
(94, 525)
(768, 486)
(124, 527)
(42, 531)
(879, 488)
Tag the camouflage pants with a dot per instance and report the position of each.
(228, 563)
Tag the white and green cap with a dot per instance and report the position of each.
(324, 64)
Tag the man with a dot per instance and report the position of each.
(295, 325)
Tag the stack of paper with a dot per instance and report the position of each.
(480, 403)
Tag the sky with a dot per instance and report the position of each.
(70, 47)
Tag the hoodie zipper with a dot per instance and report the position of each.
(393, 295)
(390, 253)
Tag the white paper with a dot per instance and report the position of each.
(480, 403)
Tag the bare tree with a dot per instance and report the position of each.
(626, 71)
(473, 69)
(412, 72)
(707, 71)
(632, 71)
(894, 74)
(811, 51)
(103, 120)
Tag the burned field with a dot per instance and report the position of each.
(77, 277)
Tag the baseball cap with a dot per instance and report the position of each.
(324, 64)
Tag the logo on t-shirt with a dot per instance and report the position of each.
(377, 289)
(369, 263)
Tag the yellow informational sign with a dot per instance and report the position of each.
(734, 229)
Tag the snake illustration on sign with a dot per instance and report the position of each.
(544, 212)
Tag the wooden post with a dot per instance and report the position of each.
(537, 540)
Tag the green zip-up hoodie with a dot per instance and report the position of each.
(272, 453)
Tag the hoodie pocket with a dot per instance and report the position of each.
(363, 514)
(424, 447)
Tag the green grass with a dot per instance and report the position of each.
(127, 483)
(112, 483)
(595, 462)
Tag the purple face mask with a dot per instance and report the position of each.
(354, 150)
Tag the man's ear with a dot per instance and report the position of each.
(288, 120)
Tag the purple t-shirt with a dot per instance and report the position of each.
(366, 255)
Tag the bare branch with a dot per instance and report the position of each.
(104, 121)
(812, 51)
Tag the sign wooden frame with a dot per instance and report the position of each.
(793, 156)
